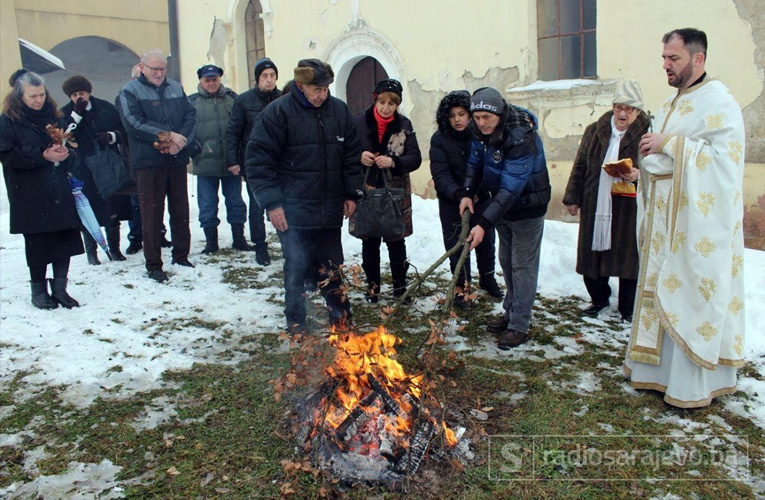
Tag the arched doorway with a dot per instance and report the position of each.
(104, 62)
(361, 83)
(256, 43)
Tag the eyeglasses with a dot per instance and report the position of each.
(618, 108)
(157, 70)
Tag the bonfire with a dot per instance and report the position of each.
(367, 421)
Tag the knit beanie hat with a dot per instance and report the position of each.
(76, 84)
(388, 85)
(314, 72)
(263, 64)
(487, 99)
(629, 94)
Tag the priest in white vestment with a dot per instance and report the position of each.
(688, 329)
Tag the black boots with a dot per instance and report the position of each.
(372, 272)
(58, 292)
(240, 242)
(91, 249)
(489, 284)
(261, 254)
(40, 297)
(134, 247)
(211, 235)
(398, 273)
(113, 239)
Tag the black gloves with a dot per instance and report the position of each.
(80, 105)
(103, 139)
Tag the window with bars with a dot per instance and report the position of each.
(566, 39)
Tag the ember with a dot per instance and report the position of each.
(367, 421)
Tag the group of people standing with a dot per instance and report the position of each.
(307, 162)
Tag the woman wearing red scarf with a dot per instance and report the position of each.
(389, 147)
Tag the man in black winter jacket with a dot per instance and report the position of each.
(246, 109)
(304, 166)
(152, 104)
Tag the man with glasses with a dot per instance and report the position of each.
(153, 104)
(607, 241)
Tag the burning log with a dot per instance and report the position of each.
(358, 417)
(391, 406)
(312, 404)
(367, 422)
(410, 462)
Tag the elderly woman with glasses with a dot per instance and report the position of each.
(607, 240)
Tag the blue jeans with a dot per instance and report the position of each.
(207, 198)
(520, 243)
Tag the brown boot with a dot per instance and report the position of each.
(511, 338)
(497, 325)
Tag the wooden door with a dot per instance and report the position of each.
(361, 83)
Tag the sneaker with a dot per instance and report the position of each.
(134, 247)
(489, 285)
(165, 243)
(497, 325)
(626, 318)
(594, 309)
(157, 275)
(184, 263)
(510, 339)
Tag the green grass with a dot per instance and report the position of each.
(228, 436)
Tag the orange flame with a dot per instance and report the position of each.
(359, 356)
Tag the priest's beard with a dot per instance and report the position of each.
(682, 78)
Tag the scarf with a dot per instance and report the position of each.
(601, 237)
(42, 117)
(382, 124)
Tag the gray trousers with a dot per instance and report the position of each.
(520, 243)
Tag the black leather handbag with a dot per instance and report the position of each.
(108, 171)
(379, 212)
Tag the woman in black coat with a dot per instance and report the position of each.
(41, 203)
(98, 125)
(449, 151)
(388, 147)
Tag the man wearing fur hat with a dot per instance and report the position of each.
(245, 111)
(303, 165)
(507, 153)
(607, 237)
(98, 126)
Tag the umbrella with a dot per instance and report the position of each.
(84, 210)
(37, 59)
(87, 216)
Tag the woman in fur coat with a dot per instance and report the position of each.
(607, 241)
